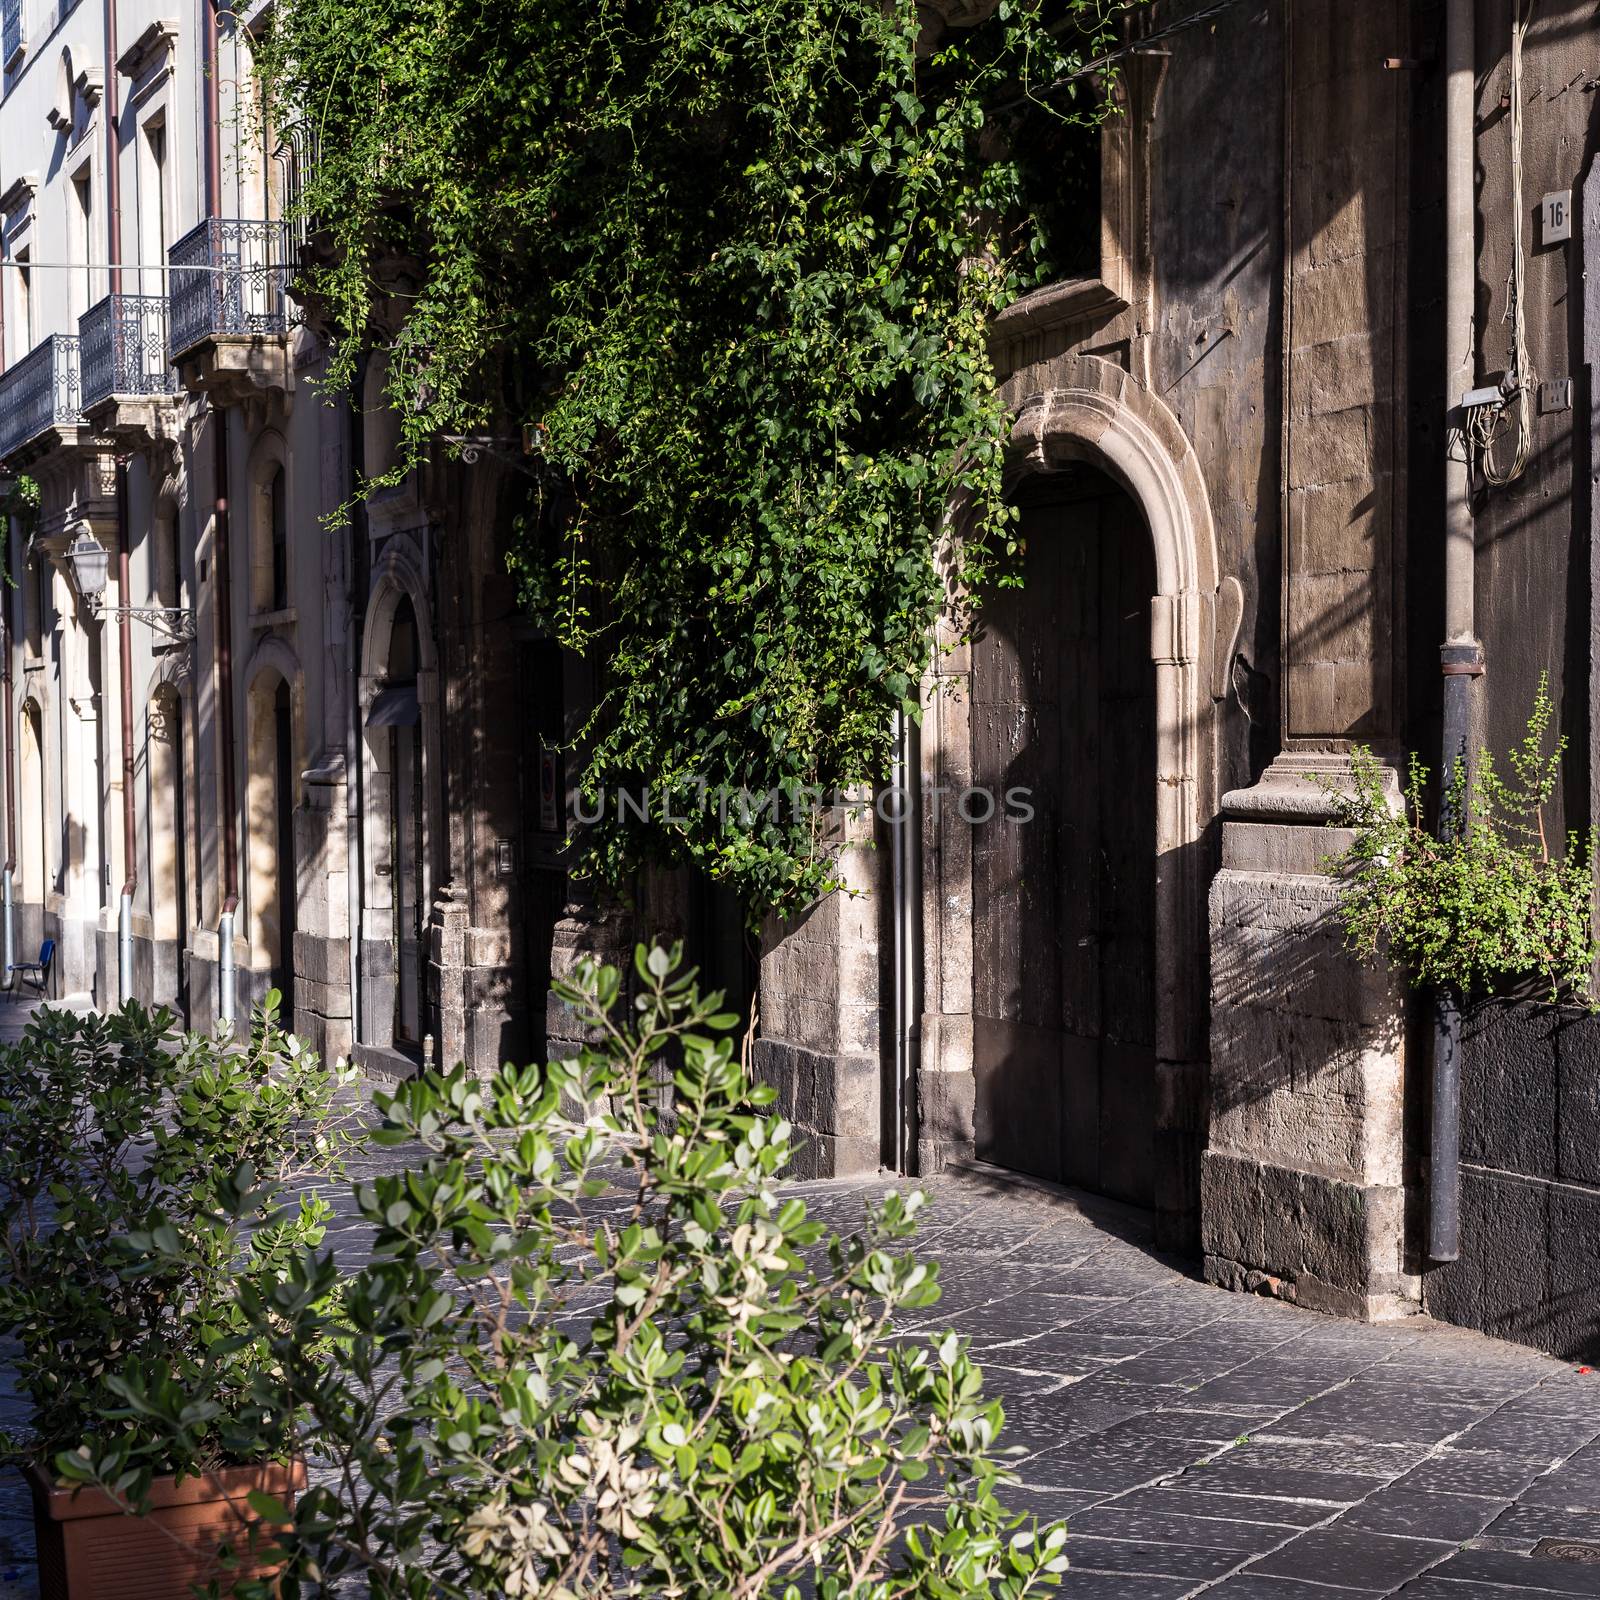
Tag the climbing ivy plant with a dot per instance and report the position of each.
(727, 266)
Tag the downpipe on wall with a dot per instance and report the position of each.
(226, 973)
(8, 889)
(130, 830)
(906, 890)
(1461, 656)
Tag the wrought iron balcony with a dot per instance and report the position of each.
(123, 348)
(40, 393)
(10, 30)
(228, 279)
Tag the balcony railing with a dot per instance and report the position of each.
(228, 277)
(40, 393)
(123, 347)
(10, 30)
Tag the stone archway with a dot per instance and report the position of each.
(1097, 415)
(401, 824)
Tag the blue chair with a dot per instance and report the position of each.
(36, 974)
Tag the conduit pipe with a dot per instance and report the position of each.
(226, 985)
(130, 832)
(113, 175)
(8, 888)
(905, 878)
(1461, 655)
(230, 818)
(130, 836)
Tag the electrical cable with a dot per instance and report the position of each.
(1487, 425)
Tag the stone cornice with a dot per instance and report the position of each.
(146, 54)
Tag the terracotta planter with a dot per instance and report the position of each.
(90, 1549)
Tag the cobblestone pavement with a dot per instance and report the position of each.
(1203, 1443)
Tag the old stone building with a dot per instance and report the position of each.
(1238, 449)
(252, 743)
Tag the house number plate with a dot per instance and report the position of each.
(1556, 212)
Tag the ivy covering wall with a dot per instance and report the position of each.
(729, 264)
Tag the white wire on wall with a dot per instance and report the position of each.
(1488, 426)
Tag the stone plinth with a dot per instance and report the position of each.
(1303, 1177)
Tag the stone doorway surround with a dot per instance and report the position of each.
(1092, 411)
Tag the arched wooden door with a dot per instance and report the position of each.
(1063, 705)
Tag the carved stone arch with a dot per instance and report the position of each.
(1093, 412)
(397, 573)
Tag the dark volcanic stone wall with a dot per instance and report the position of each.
(1530, 1182)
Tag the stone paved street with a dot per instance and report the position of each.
(1204, 1443)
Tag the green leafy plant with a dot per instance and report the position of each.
(729, 267)
(1482, 903)
(597, 1352)
(138, 1172)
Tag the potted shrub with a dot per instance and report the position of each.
(606, 1356)
(139, 1174)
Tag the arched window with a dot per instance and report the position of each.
(165, 570)
(269, 527)
(34, 808)
(278, 527)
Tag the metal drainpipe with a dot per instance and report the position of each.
(226, 992)
(230, 834)
(905, 863)
(1461, 655)
(130, 844)
(11, 791)
(130, 832)
(113, 175)
(213, 120)
(355, 844)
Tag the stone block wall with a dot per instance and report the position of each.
(820, 1022)
(1530, 1181)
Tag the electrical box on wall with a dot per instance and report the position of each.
(1555, 216)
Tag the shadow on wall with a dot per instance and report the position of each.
(1530, 1190)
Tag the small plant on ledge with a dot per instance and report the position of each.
(1482, 905)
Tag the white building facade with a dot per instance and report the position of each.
(188, 746)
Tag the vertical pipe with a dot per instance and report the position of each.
(224, 626)
(905, 864)
(354, 770)
(113, 166)
(11, 767)
(130, 832)
(213, 117)
(1461, 655)
(899, 1007)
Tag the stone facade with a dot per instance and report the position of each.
(1258, 369)
(1228, 457)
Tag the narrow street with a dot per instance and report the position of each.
(1207, 1443)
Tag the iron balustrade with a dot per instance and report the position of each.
(228, 277)
(123, 347)
(40, 393)
(10, 28)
